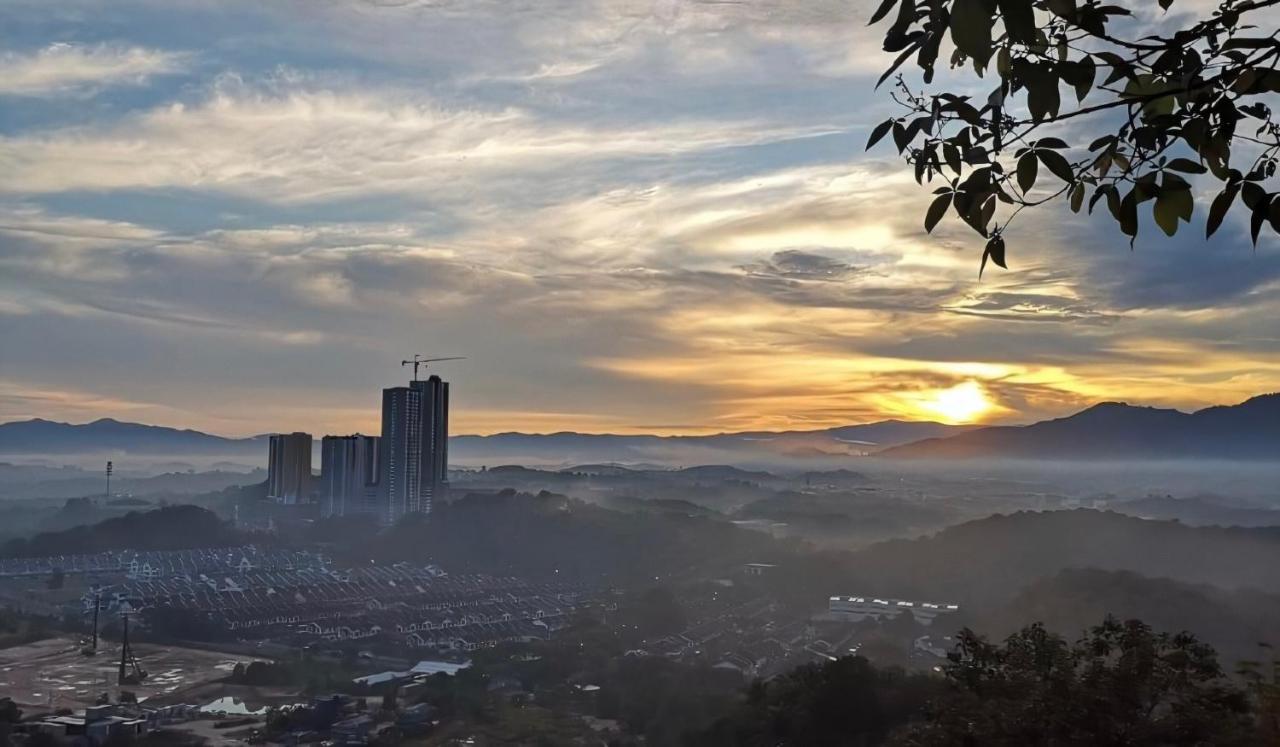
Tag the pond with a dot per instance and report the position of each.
(232, 706)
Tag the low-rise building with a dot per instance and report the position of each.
(855, 609)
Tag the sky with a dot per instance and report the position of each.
(628, 216)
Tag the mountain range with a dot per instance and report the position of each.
(1108, 431)
(107, 436)
(1115, 431)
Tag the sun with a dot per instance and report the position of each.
(962, 403)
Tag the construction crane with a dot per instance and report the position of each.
(91, 648)
(127, 659)
(418, 360)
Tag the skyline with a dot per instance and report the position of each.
(374, 434)
(631, 217)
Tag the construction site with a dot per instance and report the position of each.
(58, 673)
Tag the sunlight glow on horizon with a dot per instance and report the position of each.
(963, 403)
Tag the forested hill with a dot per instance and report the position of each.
(992, 559)
(551, 536)
(169, 528)
(1234, 622)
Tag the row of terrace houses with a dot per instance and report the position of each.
(154, 564)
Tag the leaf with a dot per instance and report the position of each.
(1166, 212)
(1019, 20)
(883, 10)
(1043, 98)
(1256, 220)
(1098, 194)
(1064, 8)
(1102, 142)
(1253, 194)
(1077, 197)
(1186, 166)
(1164, 4)
(995, 252)
(1129, 215)
(1051, 142)
(1120, 67)
(1184, 204)
(937, 209)
(1249, 42)
(897, 63)
(971, 23)
(1057, 164)
(901, 136)
(1148, 87)
(1086, 72)
(951, 154)
(1113, 203)
(878, 133)
(988, 212)
(929, 54)
(1218, 210)
(1027, 168)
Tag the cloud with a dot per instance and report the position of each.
(301, 145)
(620, 211)
(1031, 307)
(795, 264)
(62, 67)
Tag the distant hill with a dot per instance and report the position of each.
(168, 528)
(1234, 622)
(1198, 510)
(548, 536)
(109, 436)
(1118, 431)
(113, 436)
(595, 451)
(991, 560)
(72, 483)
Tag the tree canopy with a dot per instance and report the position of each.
(1154, 107)
(1121, 683)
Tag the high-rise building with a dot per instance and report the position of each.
(350, 467)
(415, 434)
(435, 439)
(289, 468)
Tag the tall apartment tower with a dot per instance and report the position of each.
(434, 393)
(415, 434)
(350, 467)
(289, 468)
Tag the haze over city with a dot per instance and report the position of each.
(639, 373)
(631, 217)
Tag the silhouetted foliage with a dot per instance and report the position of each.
(311, 674)
(1121, 683)
(843, 702)
(1155, 107)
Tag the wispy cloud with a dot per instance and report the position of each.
(63, 67)
(311, 144)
